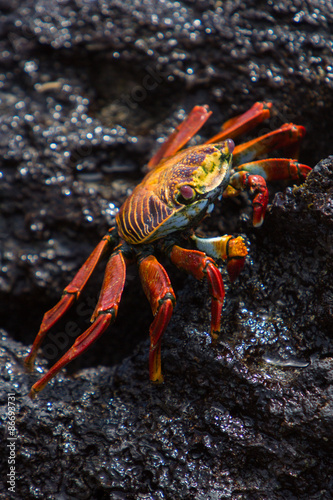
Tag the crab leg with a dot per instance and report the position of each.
(243, 123)
(181, 135)
(276, 169)
(195, 120)
(200, 266)
(105, 312)
(229, 248)
(284, 136)
(157, 287)
(70, 294)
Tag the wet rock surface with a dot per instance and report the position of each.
(86, 89)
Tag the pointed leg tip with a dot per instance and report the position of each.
(258, 221)
(264, 104)
(32, 394)
(156, 376)
(158, 381)
(257, 224)
(234, 268)
(214, 335)
(304, 170)
(155, 370)
(301, 131)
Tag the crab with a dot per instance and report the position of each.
(161, 214)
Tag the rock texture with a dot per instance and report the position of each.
(86, 90)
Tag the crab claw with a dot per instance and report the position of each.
(236, 255)
(234, 267)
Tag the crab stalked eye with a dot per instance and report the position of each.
(187, 192)
(186, 195)
(231, 145)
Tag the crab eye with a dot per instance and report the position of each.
(186, 195)
(187, 192)
(231, 145)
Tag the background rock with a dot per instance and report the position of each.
(87, 88)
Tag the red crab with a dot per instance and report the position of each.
(180, 188)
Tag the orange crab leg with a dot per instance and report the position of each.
(181, 135)
(105, 312)
(200, 266)
(276, 169)
(284, 136)
(70, 294)
(243, 123)
(157, 287)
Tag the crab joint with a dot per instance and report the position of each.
(159, 292)
(200, 266)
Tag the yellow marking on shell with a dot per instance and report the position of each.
(205, 178)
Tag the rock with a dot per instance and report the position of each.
(86, 90)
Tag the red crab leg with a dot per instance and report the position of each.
(243, 123)
(71, 292)
(157, 287)
(276, 169)
(181, 135)
(200, 266)
(284, 136)
(105, 312)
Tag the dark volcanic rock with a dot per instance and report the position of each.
(86, 89)
(310, 207)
